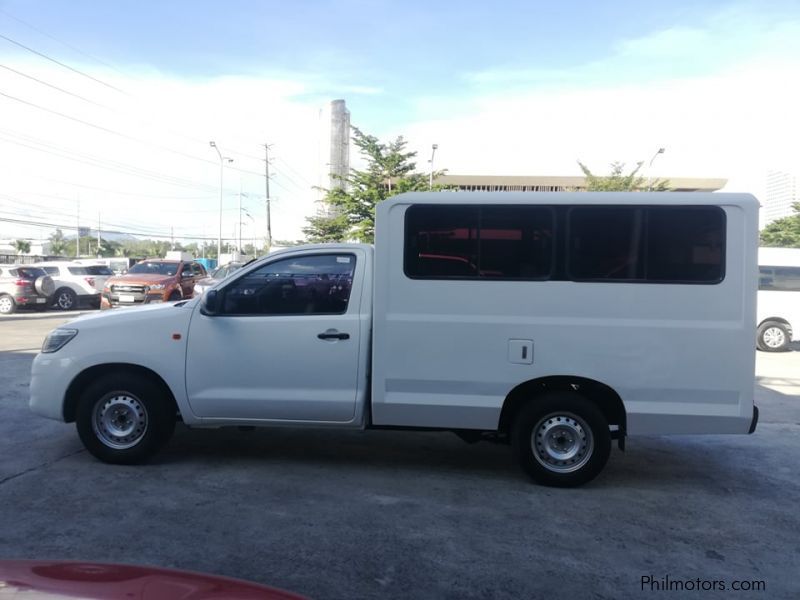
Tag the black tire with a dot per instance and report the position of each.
(773, 336)
(574, 425)
(65, 299)
(132, 403)
(7, 305)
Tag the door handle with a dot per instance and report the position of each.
(332, 334)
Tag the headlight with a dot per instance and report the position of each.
(57, 339)
(157, 286)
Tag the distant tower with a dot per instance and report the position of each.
(340, 144)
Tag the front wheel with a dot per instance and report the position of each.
(561, 439)
(124, 419)
(773, 336)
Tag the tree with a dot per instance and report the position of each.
(350, 209)
(58, 245)
(785, 232)
(22, 246)
(617, 181)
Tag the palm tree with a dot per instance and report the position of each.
(22, 246)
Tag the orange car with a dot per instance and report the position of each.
(152, 280)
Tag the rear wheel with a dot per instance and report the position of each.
(773, 336)
(7, 305)
(65, 299)
(561, 439)
(125, 419)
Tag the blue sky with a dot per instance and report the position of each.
(404, 50)
(504, 88)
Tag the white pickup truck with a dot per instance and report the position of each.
(556, 322)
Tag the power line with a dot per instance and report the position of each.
(50, 85)
(67, 44)
(61, 64)
(120, 134)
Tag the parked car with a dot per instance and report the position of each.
(76, 284)
(216, 276)
(151, 281)
(65, 579)
(24, 285)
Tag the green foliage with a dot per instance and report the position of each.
(58, 245)
(322, 228)
(783, 233)
(618, 181)
(22, 246)
(350, 212)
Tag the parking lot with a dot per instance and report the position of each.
(378, 514)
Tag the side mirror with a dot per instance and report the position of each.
(209, 303)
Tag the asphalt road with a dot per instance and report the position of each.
(409, 515)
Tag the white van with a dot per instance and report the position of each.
(555, 322)
(778, 298)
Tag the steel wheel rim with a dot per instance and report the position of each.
(562, 442)
(65, 300)
(119, 420)
(6, 304)
(774, 337)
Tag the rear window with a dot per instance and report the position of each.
(646, 244)
(28, 272)
(99, 270)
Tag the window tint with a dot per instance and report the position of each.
(51, 270)
(502, 242)
(441, 241)
(779, 278)
(154, 268)
(30, 272)
(99, 270)
(654, 244)
(318, 284)
(78, 270)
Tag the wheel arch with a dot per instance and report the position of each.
(87, 376)
(776, 320)
(606, 398)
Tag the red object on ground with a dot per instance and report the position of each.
(55, 579)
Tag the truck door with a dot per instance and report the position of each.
(284, 344)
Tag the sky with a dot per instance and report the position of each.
(106, 109)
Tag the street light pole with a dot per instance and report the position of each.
(433, 153)
(222, 160)
(650, 167)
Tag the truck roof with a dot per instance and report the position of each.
(589, 198)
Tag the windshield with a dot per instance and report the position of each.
(154, 268)
(223, 272)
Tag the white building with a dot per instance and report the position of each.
(780, 195)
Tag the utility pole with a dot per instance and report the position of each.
(98, 233)
(269, 222)
(240, 214)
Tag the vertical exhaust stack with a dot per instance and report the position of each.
(340, 144)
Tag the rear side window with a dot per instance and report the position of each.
(51, 270)
(30, 272)
(99, 270)
(77, 270)
(784, 279)
(479, 242)
(646, 244)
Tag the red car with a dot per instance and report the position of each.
(95, 581)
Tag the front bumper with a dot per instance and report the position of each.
(51, 375)
(112, 300)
